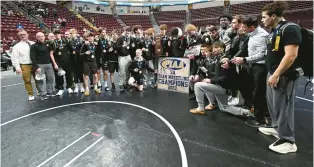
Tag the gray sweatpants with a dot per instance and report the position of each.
(123, 71)
(280, 102)
(211, 91)
(46, 69)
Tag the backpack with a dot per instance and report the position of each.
(305, 52)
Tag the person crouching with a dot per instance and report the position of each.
(137, 67)
(214, 87)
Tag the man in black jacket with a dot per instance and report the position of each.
(239, 74)
(124, 58)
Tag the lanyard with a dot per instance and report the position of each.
(60, 46)
(103, 42)
(91, 48)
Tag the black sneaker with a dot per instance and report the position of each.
(91, 86)
(43, 97)
(107, 88)
(52, 94)
(113, 88)
(255, 124)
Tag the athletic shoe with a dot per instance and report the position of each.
(86, 93)
(70, 90)
(97, 90)
(76, 89)
(43, 97)
(31, 98)
(210, 107)
(196, 111)
(60, 92)
(283, 146)
(269, 132)
(107, 88)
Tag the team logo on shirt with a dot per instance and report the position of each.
(173, 64)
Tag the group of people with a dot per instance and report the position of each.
(236, 58)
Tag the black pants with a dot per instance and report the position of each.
(77, 69)
(259, 74)
(245, 85)
(68, 76)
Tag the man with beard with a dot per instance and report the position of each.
(225, 29)
(124, 58)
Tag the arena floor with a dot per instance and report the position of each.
(149, 129)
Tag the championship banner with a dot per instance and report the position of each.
(193, 51)
(173, 74)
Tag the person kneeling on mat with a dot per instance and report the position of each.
(89, 62)
(136, 69)
(216, 86)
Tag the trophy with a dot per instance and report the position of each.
(158, 45)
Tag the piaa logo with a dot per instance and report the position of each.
(173, 64)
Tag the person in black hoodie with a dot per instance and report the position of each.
(164, 39)
(149, 53)
(124, 58)
(175, 43)
(239, 74)
(113, 57)
(137, 40)
(216, 86)
(137, 67)
(101, 54)
(76, 61)
(192, 39)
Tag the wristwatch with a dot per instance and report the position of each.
(244, 60)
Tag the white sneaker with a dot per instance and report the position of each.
(269, 132)
(60, 92)
(82, 89)
(76, 89)
(31, 98)
(70, 90)
(284, 147)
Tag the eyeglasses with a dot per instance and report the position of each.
(22, 34)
